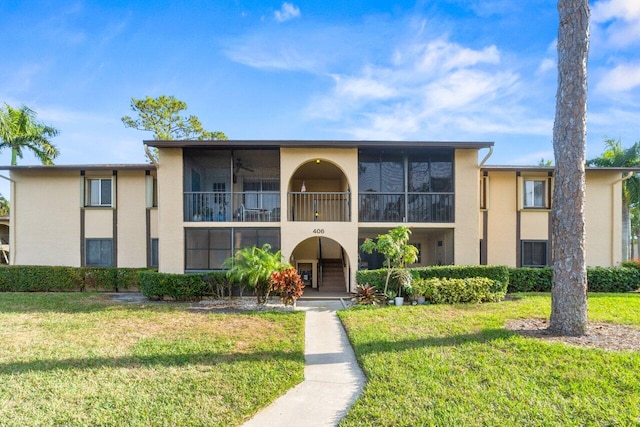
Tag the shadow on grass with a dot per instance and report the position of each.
(148, 361)
(484, 336)
(58, 302)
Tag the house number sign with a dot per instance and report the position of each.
(318, 231)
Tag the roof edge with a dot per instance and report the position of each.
(246, 143)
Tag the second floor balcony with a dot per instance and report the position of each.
(406, 207)
(247, 206)
(319, 206)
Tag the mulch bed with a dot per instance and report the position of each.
(606, 336)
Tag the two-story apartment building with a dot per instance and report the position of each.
(316, 201)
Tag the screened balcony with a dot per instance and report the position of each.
(247, 206)
(412, 207)
(415, 185)
(231, 185)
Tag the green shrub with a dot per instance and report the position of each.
(219, 284)
(530, 279)
(178, 287)
(467, 290)
(599, 279)
(616, 279)
(376, 278)
(34, 278)
(632, 263)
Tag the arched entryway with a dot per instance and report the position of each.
(323, 265)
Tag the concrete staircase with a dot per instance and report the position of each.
(332, 276)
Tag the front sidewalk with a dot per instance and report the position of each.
(332, 378)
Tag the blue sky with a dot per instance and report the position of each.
(478, 70)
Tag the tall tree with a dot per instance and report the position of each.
(616, 156)
(569, 290)
(161, 116)
(19, 130)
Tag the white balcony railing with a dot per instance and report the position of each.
(319, 206)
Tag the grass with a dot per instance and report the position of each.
(457, 365)
(79, 359)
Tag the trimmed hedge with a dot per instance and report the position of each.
(599, 279)
(500, 274)
(527, 279)
(468, 290)
(35, 278)
(184, 287)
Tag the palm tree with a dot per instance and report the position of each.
(616, 156)
(253, 266)
(20, 130)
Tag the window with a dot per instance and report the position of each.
(207, 248)
(155, 193)
(534, 193)
(98, 192)
(98, 252)
(153, 261)
(534, 253)
(484, 192)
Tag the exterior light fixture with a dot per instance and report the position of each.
(317, 161)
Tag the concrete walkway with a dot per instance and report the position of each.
(332, 378)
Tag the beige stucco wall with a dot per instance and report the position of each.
(501, 221)
(466, 245)
(45, 217)
(344, 233)
(603, 214)
(131, 217)
(170, 211)
(534, 225)
(98, 223)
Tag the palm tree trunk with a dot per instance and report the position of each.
(14, 156)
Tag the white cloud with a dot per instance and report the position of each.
(287, 12)
(618, 20)
(621, 78)
(546, 64)
(365, 87)
(438, 90)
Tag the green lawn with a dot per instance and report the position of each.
(79, 359)
(456, 365)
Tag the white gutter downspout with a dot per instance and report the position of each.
(486, 157)
(151, 157)
(617, 181)
(12, 221)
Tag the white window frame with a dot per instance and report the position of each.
(89, 193)
(528, 188)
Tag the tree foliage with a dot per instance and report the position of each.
(395, 248)
(5, 206)
(252, 266)
(19, 131)
(161, 116)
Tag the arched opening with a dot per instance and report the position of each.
(323, 265)
(319, 191)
